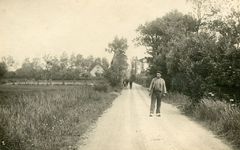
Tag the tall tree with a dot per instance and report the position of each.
(27, 70)
(37, 68)
(134, 68)
(10, 62)
(157, 34)
(79, 63)
(3, 69)
(64, 64)
(48, 64)
(117, 47)
(10, 65)
(88, 62)
(72, 67)
(119, 65)
(72, 62)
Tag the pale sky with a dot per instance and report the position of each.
(32, 28)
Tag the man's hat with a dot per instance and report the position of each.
(158, 72)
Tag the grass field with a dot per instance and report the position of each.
(52, 82)
(218, 116)
(48, 117)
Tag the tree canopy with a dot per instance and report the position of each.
(119, 65)
(196, 54)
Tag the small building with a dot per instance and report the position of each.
(97, 70)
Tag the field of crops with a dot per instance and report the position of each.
(48, 117)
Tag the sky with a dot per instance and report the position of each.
(33, 28)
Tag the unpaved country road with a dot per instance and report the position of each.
(127, 126)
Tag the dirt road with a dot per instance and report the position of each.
(127, 126)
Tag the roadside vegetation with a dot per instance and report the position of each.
(218, 116)
(49, 117)
(55, 115)
(199, 56)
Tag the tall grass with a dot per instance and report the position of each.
(218, 116)
(180, 101)
(49, 120)
(221, 118)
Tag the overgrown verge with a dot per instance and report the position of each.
(218, 116)
(49, 119)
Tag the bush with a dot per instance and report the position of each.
(102, 87)
(111, 76)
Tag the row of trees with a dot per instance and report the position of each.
(73, 67)
(52, 67)
(197, 53)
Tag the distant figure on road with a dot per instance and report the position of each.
(157, 89)
(130, 83)
(125, 83)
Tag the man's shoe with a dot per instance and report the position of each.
(150, 115)
(158, 114)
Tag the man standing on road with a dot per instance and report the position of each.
(157, 89)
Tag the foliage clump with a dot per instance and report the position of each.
(102, 86)
(118, 69)
(197, 55)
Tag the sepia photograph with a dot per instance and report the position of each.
(119, 75)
